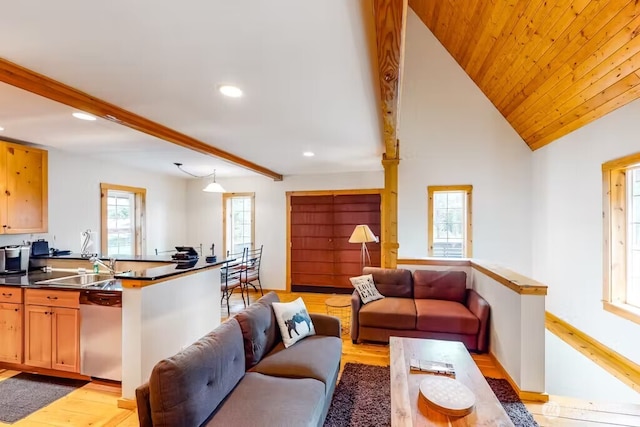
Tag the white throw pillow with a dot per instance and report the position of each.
(294, 321)
(366, 288)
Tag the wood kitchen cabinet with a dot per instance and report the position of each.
(23, 189)
(52, 329)
(10, 324)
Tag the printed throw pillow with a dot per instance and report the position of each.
(366, 288)
(294, 321)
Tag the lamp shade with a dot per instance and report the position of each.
(362, 234)
(213, 187)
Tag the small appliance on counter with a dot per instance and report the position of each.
(14, 259)
(185, 254)
(41, 248)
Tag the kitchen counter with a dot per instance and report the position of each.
(166, 271)
(161, 272)
(79, 257)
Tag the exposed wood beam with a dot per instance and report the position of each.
(39, 84)
(391, 20)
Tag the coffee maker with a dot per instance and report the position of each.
(14, 259)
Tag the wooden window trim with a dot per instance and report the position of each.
(225, 198)
(468, 190)
(140, 195)
(614, 251)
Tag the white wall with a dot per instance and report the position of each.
(567, 225)
(162, 319)
(74, 202)
(205, 213)
(451, 134)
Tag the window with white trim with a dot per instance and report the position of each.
(450, 221)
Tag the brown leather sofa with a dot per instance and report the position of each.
(423, 304)
(240, 374)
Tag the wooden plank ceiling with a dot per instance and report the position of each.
(549, 66)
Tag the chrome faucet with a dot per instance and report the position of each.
(111, 267)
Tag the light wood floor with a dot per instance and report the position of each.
(95, 404)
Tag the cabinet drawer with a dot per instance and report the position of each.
(11, 294)
(52, 298)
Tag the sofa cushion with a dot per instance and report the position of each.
(184, 389)
(392, 282)
(445, 316)
(259, 328)
(262, 400)
(389, 313)
(366, 288)
(314, 357)
(444, 285)
(294, 321)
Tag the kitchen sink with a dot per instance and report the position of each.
(92, 280)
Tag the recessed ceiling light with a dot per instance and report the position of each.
(308, 154)
(1, 128)
(83, 116)
(230, 91)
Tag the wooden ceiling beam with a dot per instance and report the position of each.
(390, 23)
(44, 86)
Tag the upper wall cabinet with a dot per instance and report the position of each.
(23, 189)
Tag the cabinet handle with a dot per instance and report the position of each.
(50, 297)
(6, 295)
(16, 309)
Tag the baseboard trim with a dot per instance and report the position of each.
(124, 403)
(321, 289)
(531, 396)
(608, 359)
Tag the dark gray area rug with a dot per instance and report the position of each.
(24, 394)
(362, 398)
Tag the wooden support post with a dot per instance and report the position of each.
(389, 215)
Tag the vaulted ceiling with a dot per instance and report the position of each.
(549, 66)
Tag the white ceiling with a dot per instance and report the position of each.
(306, 69)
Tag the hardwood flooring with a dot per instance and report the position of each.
(96, 404)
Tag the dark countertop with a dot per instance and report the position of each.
(164, 271)
(32, 278)
(145, 258)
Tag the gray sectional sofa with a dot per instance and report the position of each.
(240, 374)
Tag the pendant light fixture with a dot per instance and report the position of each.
(212, 187)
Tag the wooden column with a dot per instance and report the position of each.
(390, 21)
(389, 256)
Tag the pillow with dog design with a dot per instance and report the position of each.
(366, 288)
(294, 321)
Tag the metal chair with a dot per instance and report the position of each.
(252, 270)
(231, 276)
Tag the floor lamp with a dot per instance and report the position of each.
(363, 234)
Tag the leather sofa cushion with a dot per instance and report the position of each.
(445, 316)
(444, 285)
(391, 282)
(389, 313)
(314, 357)
(262, 400)
(184, 389)
(259, 329)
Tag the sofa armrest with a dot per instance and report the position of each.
(326, 325)
(144, 405)
(356, 303)
(481, 309)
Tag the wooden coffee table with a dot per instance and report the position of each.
(409, 407)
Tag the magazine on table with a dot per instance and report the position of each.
(432, 367)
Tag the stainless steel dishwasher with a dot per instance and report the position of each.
(101, 334)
